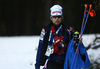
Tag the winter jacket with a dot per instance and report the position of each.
(43, 43)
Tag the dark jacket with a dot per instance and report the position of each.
(43, 43)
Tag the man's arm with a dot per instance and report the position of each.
(41, 40)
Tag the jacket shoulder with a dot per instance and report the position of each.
(68, 28)
(48, 27)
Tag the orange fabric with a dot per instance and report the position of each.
(92, 13)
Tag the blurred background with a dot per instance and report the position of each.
(23, 20)
(28, 17)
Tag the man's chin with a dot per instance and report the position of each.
(57, 24)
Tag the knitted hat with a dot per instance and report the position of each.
(56, 10)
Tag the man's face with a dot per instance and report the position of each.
(56, 19)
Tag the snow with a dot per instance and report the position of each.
(19, 52)
(87, 39)
(94, 41)
(94, 55)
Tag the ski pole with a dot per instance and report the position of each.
(83, 17)
(82, 30)
(85, 21)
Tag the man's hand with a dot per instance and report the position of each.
(80, 40)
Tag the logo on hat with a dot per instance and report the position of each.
(56, 12)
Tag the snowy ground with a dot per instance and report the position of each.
(19, 52)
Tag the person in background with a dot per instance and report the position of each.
(53, 41)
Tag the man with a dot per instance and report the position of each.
(53, 42)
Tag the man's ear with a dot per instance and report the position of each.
(50, 18)
(62, 18)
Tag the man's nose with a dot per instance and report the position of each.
(57, 17)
